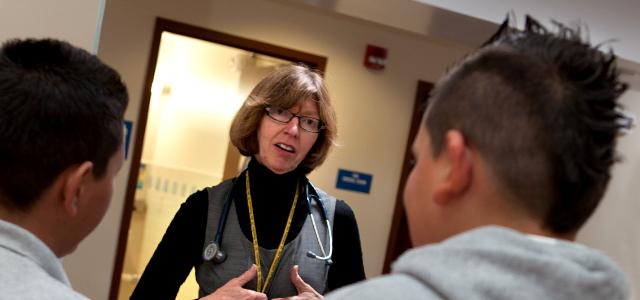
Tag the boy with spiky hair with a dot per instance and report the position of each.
(513, 156)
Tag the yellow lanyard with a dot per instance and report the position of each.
(254, 235)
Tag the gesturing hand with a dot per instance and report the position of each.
(233, 289)
(305, 291)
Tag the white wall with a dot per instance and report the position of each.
(76, 21)
(374, 108)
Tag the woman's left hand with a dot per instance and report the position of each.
(305, 291)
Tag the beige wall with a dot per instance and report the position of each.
(76, 21)
(614, 226)
(374, 108)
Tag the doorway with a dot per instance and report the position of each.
(196, 80)
(399, 240)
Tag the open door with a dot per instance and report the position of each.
(399, 240)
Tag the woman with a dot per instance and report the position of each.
(287, 125)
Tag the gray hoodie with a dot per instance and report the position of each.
(496, 263)
(29, 269)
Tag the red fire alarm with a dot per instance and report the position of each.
(375, 57)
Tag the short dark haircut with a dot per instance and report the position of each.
(59, 106)
(541, 108)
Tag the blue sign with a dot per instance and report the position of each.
(128, 125)
(354, 181)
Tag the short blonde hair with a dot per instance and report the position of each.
(286, 87)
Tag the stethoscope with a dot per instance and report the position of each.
(213, 252)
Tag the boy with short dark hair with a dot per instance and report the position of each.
(61, 132)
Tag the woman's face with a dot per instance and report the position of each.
(283, 146)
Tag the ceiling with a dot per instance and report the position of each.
(467, 23)
(606, 20)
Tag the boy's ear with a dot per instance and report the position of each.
(458, 168)
(75, 181)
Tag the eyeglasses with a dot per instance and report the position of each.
(284, 116)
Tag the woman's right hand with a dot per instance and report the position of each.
(233, 289)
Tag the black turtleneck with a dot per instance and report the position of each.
(272, 195)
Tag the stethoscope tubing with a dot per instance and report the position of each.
(219, 256)
(225, 212)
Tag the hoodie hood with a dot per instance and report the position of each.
(499, 263)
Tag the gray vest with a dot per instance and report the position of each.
(239, 250)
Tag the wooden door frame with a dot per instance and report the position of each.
(399, 240)
(165, 25)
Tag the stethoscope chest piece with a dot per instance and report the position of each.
(214, 253)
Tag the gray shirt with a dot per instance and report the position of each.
(29, 269)
(496, 263)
